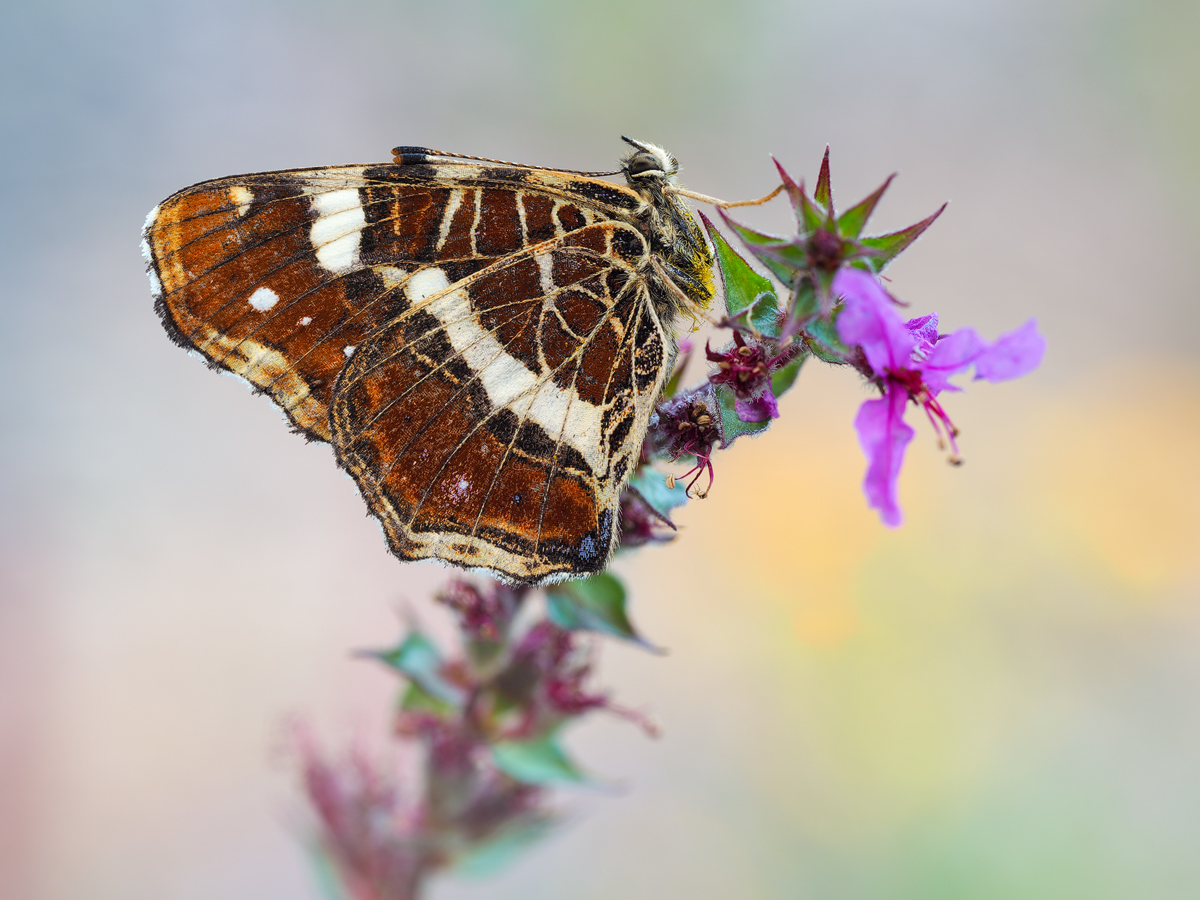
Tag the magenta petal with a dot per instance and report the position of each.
(924, 329)
(869, 320)
(953, 353)
(1013, 355)
(757, 409)
(883, 436)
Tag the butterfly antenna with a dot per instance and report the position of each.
(415, 156)
(723, 204)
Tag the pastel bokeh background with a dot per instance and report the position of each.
(1000, 700)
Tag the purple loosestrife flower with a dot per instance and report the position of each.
(911, 361)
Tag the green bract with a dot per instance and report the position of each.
(592, 604)
(420, 661)
(539, 760)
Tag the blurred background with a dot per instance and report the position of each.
(999, 700)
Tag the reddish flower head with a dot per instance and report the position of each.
(746, 368)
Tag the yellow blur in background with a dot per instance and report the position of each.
(999, 700)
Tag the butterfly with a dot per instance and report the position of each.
(482, 343)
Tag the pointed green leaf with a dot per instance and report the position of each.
(419, 660)
(793, 190)
(783, 379)
(744, 288)
(417, 699)
(537, 761)
(731, 427)
(882, 249)
(757, 241)
(808, 217)
(489, 857)
(853, 220)
(652, 485)
(592, 604)
(823, 195)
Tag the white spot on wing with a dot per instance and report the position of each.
(546, 266)
(392, 277)
(307, 320)
(452, 205)
(348, 350)
(507, 381)
(337, 231)
(242, 196)
(263, 299)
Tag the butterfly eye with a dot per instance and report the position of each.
(642, 163)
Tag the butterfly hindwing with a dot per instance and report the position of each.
(496, 420)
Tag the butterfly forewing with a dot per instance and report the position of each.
(274, 276)
(478, 342)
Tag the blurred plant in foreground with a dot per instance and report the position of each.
(487, 722)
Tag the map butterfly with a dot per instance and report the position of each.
(482, 343)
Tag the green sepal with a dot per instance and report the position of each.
(744, 288)
(808, 217)
(882, 249)
(824, 342)
(731, 427)
(652, 485)
(537, 761)
(783, 379)
(418, 659)
(596, 603)
(854, 220)
(787, 261)
(824, 194)
(824, 279)
(805, 301)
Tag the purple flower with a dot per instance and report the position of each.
(746, 368)
(911, 361)
(684, 426)
(483, 614)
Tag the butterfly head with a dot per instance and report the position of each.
(647, 165)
